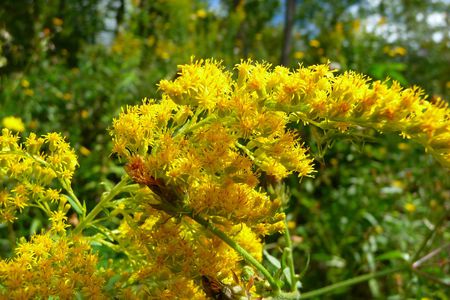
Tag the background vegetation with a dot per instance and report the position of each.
(70, 66)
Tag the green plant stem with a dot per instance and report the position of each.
(290, 257)
(430, 277)
(76, 202)
(104, 201)
(350, 282)
(247, 256)
(429, 236)
(11, 235)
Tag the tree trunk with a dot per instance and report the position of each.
(287, 34)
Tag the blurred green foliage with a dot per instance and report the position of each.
(70, 66)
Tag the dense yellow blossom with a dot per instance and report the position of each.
(214, 143)
(49, 266)
(13, 123)
(29, 171)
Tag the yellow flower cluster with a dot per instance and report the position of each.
(212, 145)
(28, 172)
(49, 266)
(316, 95)
(174, 254)
(208, 156)
(203, 149)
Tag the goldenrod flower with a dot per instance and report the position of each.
(29, 92)
(30, 169)
(57, 21)
(410, 207)
(299, 55)
(50, 266)
(13, 123)
(25, 83)
(314, 43)
(213, 144)
(201, 13)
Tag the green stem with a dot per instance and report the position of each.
(350, 282)
(247, 256)
(76, 204)
(429, 236)
(290, 257)
(11, 235)
(196, 125)
(104, 201)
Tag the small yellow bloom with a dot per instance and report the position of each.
(291, 225)
(25, 83)
(29, 92)
(398, 184)
(314, 43)
(403, 146)
(57, 21)
(379, 229)
(382, 21)
(13, 123)
(33, 124)
(85, 151)
(299, 54)
(410, 207)
(84, 114)
(356, 25)
(67, 96)
(201, 13)
(150, 41)
(400, 51)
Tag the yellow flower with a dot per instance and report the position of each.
(410, 207)
(50, 265)
(29, 92)
(25, 83)
(57, 21)
(67, 96)
(84, 114)
(13, 123)
(201, 13)
(213, 143)
(30, 168)
(150, 41)
(85, 151)
(356, 25)
(403, 146)
(314, 43)
(299, 54)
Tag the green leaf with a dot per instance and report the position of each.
(36, 224)
(75, 206)
(272, 259)
(390, 255)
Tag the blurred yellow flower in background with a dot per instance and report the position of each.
(201, 13)
(25, 83)
(395, 51)
(13, 123)
(84, 114)
(85, 151)
(57, 21)
(299, 54)
(29, 92)
(314, 43)
(410, 207)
